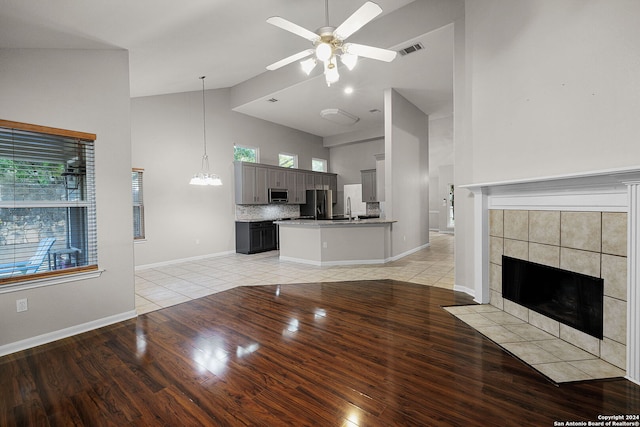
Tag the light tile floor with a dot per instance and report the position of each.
(553, 357)
(176, 283)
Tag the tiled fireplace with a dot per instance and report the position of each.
(586, 223)
(591, 243)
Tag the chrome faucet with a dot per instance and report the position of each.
(349, 207)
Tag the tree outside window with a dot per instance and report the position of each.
(245, 154)
(286, 160)
(318, 165)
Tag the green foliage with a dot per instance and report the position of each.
(286, 161)
(244, 154)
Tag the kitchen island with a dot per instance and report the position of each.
(328, 242)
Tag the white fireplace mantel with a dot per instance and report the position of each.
(612, 190)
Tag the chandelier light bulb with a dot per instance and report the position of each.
(349, 60)
(324, 52)
(331, 71)
(308, 65)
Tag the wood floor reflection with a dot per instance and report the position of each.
(357, 353)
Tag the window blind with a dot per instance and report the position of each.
(47, 203)
(138, 204)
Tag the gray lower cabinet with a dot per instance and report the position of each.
(254, 237)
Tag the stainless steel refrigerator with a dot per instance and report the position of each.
(318, 204)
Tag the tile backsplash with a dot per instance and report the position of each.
(266, 212)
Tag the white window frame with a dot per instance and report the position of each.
(293, 157)
(324, 164)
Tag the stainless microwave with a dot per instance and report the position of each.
(278, 195)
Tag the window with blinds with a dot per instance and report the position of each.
(47, 202)
(138, 204)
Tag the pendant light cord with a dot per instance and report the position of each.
(204, 119)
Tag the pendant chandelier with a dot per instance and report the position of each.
(205, 177)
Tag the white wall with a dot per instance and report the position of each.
(88, 91)
(555, 86)
(554, 89)
(406, 173)
(184, 221)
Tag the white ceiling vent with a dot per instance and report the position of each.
(410, 49)
(339, 116)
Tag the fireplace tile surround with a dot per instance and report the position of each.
(607, 193)
(572, 241)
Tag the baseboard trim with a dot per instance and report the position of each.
(409, 252)
(65, 333)
(178, 261)
(332, 263)
(466, 290)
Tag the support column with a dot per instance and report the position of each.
(633, 283)
(481, 245)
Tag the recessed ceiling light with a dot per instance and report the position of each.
(348, 90)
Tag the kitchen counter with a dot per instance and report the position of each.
(335, 242)
(331, 223)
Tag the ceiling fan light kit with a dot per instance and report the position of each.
(329, 43)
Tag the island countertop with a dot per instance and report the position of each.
(332, 223)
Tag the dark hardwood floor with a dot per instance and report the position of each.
(366, 353)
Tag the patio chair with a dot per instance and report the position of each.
(31, 265)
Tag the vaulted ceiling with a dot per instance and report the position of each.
(172, 43)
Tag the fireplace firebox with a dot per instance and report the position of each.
(571, 298)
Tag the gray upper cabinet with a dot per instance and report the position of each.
(369, 192)
(313, 181)
(251, 184)
(296, 184)
(253, 180)
(277, 178)
(330, 181)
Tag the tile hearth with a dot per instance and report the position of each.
(556, 359)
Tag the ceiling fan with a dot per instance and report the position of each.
(329, 43)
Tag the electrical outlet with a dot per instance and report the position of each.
(22, 305)
(324, 245)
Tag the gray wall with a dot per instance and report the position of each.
(348, 160)
(406, 173)
(554, 90)
(184, 221)
(86, 91)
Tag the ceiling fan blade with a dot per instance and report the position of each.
(385, 55)
(357, 20)
(288, 60)
(293, 28)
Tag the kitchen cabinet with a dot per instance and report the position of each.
(251, 184)
(277, 178)
(254, 237)
(296, 184)
(330, 181)
(313, 181)
(369, 192)
(253, 181)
